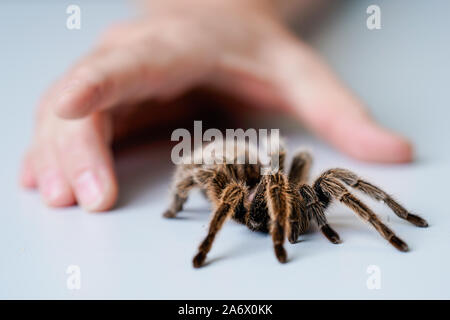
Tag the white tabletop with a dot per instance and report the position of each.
(401, 71)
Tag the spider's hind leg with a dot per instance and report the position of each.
(183, 183)
(352, 180)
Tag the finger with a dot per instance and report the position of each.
(27, 176)
(331, 111)
(114, 74)
(83, 147)
(53, 186)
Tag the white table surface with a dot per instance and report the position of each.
(401, 71)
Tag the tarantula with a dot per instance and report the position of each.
(282, 204)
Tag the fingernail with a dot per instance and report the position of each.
(89, 190)
(52, 188)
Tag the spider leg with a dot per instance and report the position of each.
(282, 156)
(299, 172)
(352, 180)
(231, 197)
(257, 218)
(315, 210)
(279, 205)
(183, 183)
(298, 220)
(298, 175)
(332, 188)
(214, 180)
(280, 151)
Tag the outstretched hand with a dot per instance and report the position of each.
(245, 50)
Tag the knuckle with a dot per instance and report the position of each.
(93, 83)
(111, 33)
(85, 72)
(71, 143)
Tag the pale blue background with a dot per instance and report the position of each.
(401, 71)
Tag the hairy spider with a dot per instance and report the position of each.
(280, 204)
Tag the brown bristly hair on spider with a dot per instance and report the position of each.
(282, 204)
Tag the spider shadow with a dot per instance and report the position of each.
(194, 215)
(345, 220)
(197, 210)
(212, 261)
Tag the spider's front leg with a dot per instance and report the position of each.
(305, 204)
(315, 209)
(279, 207)
(232, 197)
(329, 187)
(352, 180)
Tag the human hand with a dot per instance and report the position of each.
(238, 47)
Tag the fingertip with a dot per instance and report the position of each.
(404, 150)
(96, 190)
(55, 190)
(27, 178)
(85, 155)
(332, 111)
(64, 200)
(370, 142)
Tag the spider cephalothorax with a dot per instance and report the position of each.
(280, 203)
